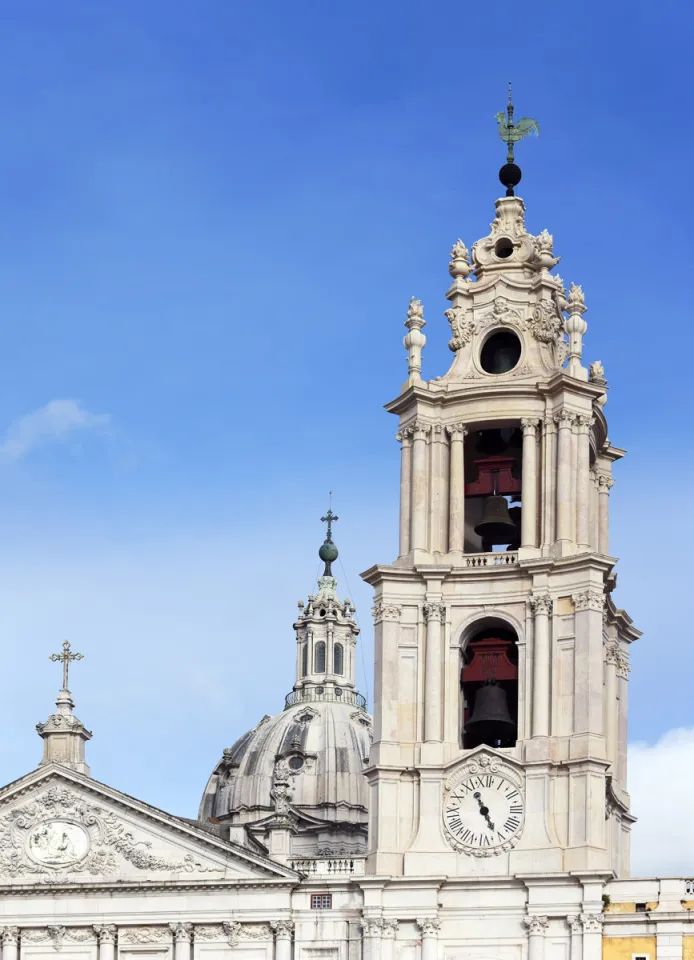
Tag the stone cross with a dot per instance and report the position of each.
(66, 656)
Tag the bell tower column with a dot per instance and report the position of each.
(418, 540)
(541, 606)
(583, 425)
(605, 484)
(456, 511)
(434, 612)
(564, 420)
(405, 438)
(529, 491)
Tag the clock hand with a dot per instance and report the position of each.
(483, 810)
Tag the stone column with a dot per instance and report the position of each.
(583, 425)
(574, 922)
(438, 491)
(284, 931)
(592, 936)
(418, 528)
(183, 935)
(405, 438)
(456, 503)
(564, 420)
(549, 480)
(605, 484)
(611, 705)
(107, 940)
(390, 929)
(10, 943)
(372, 927)
(529, 483)
(537, 927)
(541, 606)
(433, 690)
(430, 927)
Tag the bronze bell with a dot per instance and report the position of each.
(496, 525)
(491, 721)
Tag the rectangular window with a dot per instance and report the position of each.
(321, 901)
(640, 956)
(640, 908)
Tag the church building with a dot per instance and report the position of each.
(483, 814)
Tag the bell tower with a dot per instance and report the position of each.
(501, 659)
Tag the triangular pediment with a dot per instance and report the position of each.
(60, 827)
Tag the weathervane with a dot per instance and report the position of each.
(511, 133)
(66, 657)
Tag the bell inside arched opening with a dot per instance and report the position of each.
(493, 461)
(489, 683)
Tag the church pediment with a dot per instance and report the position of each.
(59, 827)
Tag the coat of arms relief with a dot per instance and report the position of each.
(59, 837)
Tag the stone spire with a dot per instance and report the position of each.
(64, 736)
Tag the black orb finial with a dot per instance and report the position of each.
(328, 551)
(510, 132)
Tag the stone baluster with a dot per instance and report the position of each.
(576, 927)
(430, 927)
(456, 504)
(537, 928)
(529, 483)
(418, 537)
(390, 929)
(405, 438)
(583, 425)
(605, 484)
(107, 940)
(183, 935)
(541, 606)
(434, 612)
(284, 932)
(592, 936)
(611, 703)
(372, 928)
(564, 420)
(10, 943)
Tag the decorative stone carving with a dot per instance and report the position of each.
(462, 330)
(612, 652)
(404, 437)
(530, 425)
(605, 482)
(106, 932)
(182, 932)
(584, 422)
(371, 926)
(536, 924)
(564, 417)
(232, 931)
(255, 931)
(57, 935)
(623, 665)
(576, 299)
(589, 600)
(415, 340)
(592, 922)
(435, 611)
(574, 922)
(421, 429)
(541, 604)
(456, 431)
(385, 611)
(459, 252)
(500, 312)
(283, 929)
(209, 931)
(144, 934)
(597, 372)
(58, 835)
(415, 310)
(390, 929)
(546, 323)
(10, 935)
(429, 926)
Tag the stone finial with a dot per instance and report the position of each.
(544, 243)
(63, 734)
(597, 372)
(576, 299)
(576, 327)
(459, 264)
(414, 341)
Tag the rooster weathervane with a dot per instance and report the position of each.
(511, 133)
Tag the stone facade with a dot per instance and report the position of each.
(515, 847)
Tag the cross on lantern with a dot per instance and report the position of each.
(66, 656)
(330, 519)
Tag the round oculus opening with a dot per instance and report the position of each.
(500, 352)
(338, 692)
(322, 613)
(296, 763)
(503, 248)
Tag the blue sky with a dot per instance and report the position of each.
(212, 217)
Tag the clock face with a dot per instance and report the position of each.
(483, 813)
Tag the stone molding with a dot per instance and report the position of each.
(536, 924)
(382, 610)
(151, 934)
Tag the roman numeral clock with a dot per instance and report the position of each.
(483, 807)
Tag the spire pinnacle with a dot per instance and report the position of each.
(63, 734)
(510, 132)
(328, 551)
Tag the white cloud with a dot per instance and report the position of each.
(661, 781)
(50, 422)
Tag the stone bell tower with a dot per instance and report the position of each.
(501, 659)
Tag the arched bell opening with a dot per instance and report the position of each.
(493, 481)
(489, 684)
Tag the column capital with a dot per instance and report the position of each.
(382, 610)
(536, 924)
(404, 436)
(10, 935)
(530, 425)
(592, 922)
(589, 600)
(612, 652)
(371, 926)
(584, 422)
(564, 417)
(549, 425)
(456, 431)
(420, 429)
(574, 922)
(605, 482)
(434, 610)
(623, 665)
(429, 926)
(390, 928)
(540, 604)
(106, 932)
(182, 932)
(283, 929)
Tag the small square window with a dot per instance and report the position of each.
(640, 908)
(640, 956)
(321, 901)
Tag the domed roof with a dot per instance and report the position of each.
(322, 744)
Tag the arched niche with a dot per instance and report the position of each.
(489, 682)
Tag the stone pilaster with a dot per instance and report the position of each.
(284, 933)
(372, 929)
(106, 934)
(605, 484)
(389, 932)
(420, 471)
(564, 420)
(583, 425)
(592, 936)
(529, 515)
(541, 606)
(429, 927)
(435, 613)
(576, 927)
(183, 937)
(537, 928)
(405, 438)
(10, 943)
(456, 502)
